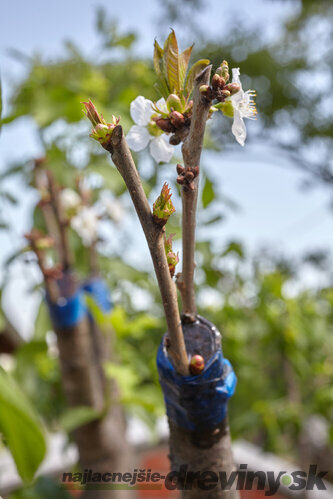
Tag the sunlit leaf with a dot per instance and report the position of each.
(184, 59)
(193, 73)
(208, 193)
(171, 63)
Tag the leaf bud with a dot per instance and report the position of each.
(173, 103)
(197, 365)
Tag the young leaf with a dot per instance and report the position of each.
(171, 63)
(161, 85)
(208, 194)
(193, 72)
(21, 428)
(184, 59)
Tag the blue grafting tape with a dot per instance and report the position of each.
(67, 311)
(99, 290)
(197, 402)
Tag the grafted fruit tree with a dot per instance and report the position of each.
(196, 379)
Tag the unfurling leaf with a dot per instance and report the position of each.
(184, 59)
(171, 63)
(163, 207)
(193, 73)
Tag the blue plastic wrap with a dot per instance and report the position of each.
(67, 311)
(99, 290)
(197, 402)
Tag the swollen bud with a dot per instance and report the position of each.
(102, 130)
(218, 81)
(164, 124)
(176, 118)
(172, 258)
(197, 365)
(224, 70)
(233, 88)
(173, 103)
(180, 169)
(163, 207)
(174, 140)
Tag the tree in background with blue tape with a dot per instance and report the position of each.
(83, 348)
(196, 380)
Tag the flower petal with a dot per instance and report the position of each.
(138, 138)
(161, 105)
(141, 110)
(235, 76)
(238, 128)
(160, 149)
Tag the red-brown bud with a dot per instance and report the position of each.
(176, 118)
(189, 176)
(180, 179)
(218, 81)
(197, 365)
(180, 169)
(195, 170)
(233, 88)
(175, 140)
(165, 125)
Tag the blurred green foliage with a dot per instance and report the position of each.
(279, 342)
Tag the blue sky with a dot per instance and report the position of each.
(275, 212)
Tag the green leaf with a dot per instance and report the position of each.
(78, 416)
(208, 193)
(162, 85)
(171, 63)
(184, 59)
(193, 73)
(21, 428)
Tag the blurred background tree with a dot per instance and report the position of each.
(276, 331)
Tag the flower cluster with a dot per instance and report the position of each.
(145, 131)
(233, 101)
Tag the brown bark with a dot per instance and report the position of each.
(203, 450)
(123, 160)
(101, 443)
(200, 452)
(191, 150)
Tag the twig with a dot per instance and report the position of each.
(123, 160)
(66, 257)
(191, 151)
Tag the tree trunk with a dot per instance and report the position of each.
(101, 443)
(203, 452)
(199, 441)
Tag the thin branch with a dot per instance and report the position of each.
(123, 160)
(66, 256)
(191, 151)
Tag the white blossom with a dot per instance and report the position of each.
(112, 207)
(141, 134)
(243, 107)
(85, 224)
(70, 202)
